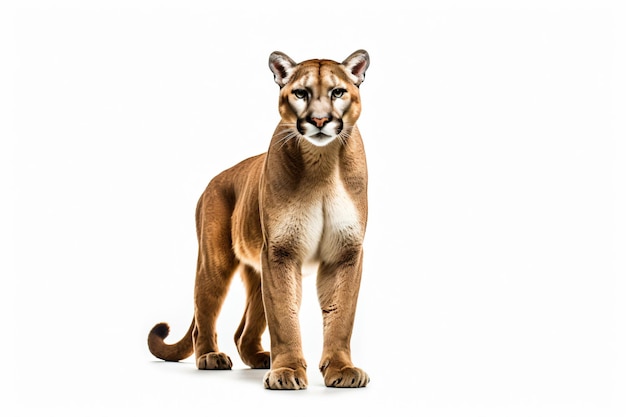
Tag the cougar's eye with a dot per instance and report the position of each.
(300, 93)
(338, 92)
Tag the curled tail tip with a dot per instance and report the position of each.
(156, 343)
(170, 352)
(160, 330)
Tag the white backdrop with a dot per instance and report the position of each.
(494, 273)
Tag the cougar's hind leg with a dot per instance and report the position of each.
(216, 266)
(253, 323)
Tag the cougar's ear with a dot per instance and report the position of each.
(282, 66)
(357, 64)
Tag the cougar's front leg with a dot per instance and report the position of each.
(282, 294)
(338, 289)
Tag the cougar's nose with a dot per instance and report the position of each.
(319, 121)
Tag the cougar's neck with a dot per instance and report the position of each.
(299, 163)
(319, 161)
(314, 161)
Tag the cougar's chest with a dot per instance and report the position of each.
(321, 225)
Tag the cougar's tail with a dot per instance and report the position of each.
(176, 352)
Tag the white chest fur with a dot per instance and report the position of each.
(320, 228)
(341, 223)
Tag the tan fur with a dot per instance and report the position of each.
(303, 203)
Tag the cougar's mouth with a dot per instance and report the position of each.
(320, 139)
(320, 136)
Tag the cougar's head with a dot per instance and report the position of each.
(319, 99)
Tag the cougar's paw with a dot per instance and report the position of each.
(259, 360)
(286, 378)
(214, 360)
(346, 377)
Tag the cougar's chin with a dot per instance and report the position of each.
(320, 139)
